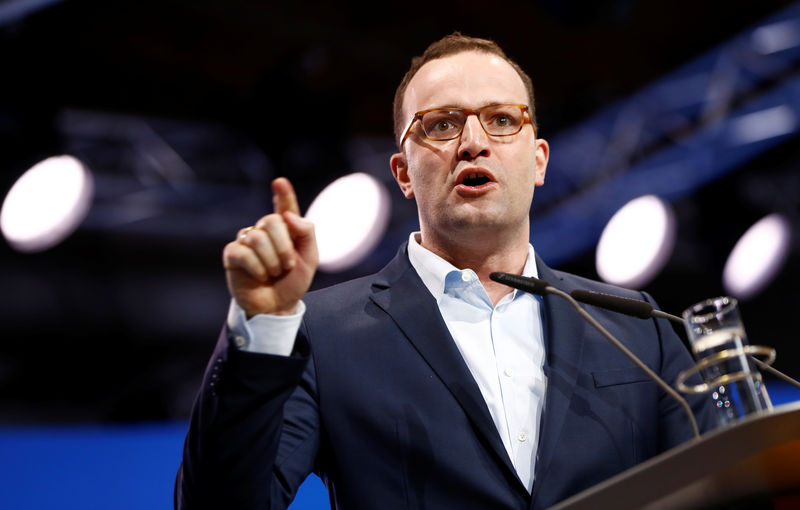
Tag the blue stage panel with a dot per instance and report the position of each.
(121, 467)
(115, 467)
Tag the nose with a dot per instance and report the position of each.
(474, 141)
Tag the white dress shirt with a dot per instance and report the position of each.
(503, 346)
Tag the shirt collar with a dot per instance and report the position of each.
(433, 269)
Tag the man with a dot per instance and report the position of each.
(427, 385)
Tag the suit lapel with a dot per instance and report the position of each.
(399, 292)
(564, 332)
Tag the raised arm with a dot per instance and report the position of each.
(241, 421)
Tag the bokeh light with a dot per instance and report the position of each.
(46, 204)
(350, 216)
(636, 242)
(757, 257)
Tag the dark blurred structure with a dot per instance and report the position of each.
(186, 110)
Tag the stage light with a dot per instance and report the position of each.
(350, 216)
(636, 242)
(757, 257)
(763, 124)
(776, 37)
(46, 204)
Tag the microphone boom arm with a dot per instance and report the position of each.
(611, 338)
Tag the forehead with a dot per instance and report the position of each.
(469, 79)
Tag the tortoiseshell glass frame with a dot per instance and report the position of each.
(418, 116)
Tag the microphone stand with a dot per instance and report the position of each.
(540, 287)
(666, 387)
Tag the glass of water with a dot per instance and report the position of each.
(720, 346)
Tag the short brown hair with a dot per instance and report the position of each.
(451, 45)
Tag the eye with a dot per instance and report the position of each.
(502, 120)
(443, 125)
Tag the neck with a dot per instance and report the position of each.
(483, 256)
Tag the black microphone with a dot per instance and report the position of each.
(632, 307)
(637, 308)
(627, 306)
(541, 287)
(524, 283)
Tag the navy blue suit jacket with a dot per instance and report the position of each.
(378, 401)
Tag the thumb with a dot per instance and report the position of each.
(302, 232)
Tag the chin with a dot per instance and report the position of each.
(478, 222)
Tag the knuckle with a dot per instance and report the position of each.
(269, 221)
(256, 240)
(284, 250)
(274, 269)
(231, 262)
(256, 236)
(229, 253)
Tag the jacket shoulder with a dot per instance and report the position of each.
(341, 294)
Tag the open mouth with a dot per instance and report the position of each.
(473, 180)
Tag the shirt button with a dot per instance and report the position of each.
(239, 341)
(508, 372)
(522, 436)
(465, 276)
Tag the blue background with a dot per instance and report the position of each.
(123, 467)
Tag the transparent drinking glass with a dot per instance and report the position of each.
(724, 360)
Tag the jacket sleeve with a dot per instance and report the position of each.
(675, 357)
(254, 431)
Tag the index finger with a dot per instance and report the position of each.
(283, 196)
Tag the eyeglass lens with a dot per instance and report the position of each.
(498, 120)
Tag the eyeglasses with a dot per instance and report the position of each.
(442, 124)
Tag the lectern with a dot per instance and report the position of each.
(755, 460)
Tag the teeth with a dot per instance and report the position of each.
(474, 176)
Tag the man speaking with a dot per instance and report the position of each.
(428, 385)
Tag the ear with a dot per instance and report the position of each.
(542, 157)
(399, 166)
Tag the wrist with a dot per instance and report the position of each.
(288, 310)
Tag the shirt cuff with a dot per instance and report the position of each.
(265, 334)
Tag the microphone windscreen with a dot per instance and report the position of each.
(524, 283)
(633, 307)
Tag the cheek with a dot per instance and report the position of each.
(427, 169)
(421, 184)
(525, 167)
(533, 169)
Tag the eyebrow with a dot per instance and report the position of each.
(451, 106)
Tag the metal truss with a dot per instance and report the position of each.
(680, 133)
